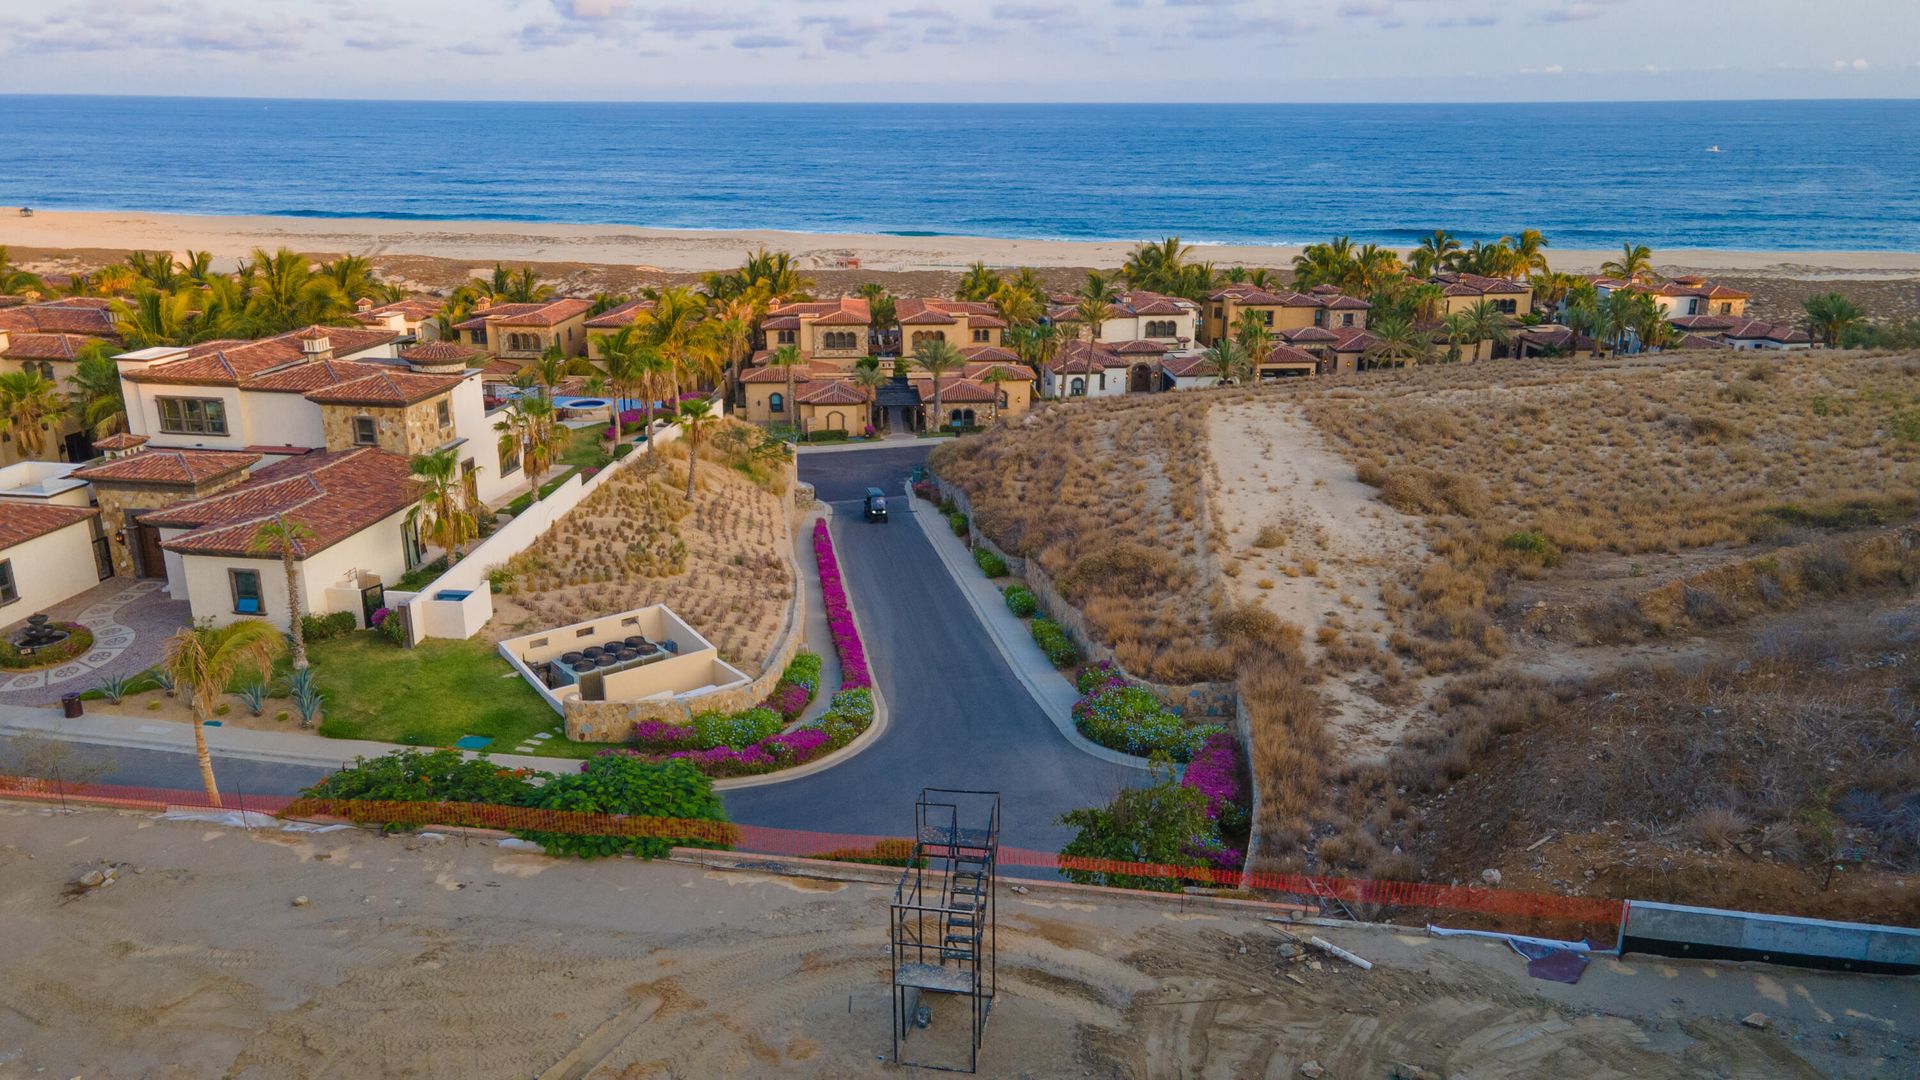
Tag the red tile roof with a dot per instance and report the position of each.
(301, 378)
(121, 441)
(1456, 284)
(173, 468)
(1706, 322)
(616, 317)
(1188, 366)
(920, 311)
(1138, 348)
(961, 391)
(44, 346)
(780, 322)
(846, 311)
(414, 311)
(433, 353)
(772, 374)
(1072, 359)
(1700, 341)
(1754, 330)
(386, 387)
(544, 313)
(86, 316)
(832, 392)
(24, 521)
(1309, 334)
(335, 495)
(983, 354)
(233, 363)
(1287, 354)
(1015, 371)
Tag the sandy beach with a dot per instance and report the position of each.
(675, 251)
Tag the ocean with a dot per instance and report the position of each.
(1806, 175)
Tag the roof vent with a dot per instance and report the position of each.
(316, 347)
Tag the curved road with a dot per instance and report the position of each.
(958, 717)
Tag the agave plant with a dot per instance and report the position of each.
(163, 679)
(255, 696)
(306, 697)
(115, 687)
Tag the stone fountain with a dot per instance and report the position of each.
(38, 635)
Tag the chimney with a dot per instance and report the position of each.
(363, 305)
(483, 304)
(315, 344)
(394, 322)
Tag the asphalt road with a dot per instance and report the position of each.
(958, 716)
(167, 769)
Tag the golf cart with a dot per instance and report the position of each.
(876, 504)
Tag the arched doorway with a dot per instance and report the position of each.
(1140, 379)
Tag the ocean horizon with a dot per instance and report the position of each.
(1820, 175)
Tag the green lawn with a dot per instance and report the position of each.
(586, 449)
(430, 695)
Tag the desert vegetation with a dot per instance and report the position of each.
(720, 561)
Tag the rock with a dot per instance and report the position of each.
(1313, 965)
(92, 879)
(1403, 1071)
(299, 901)
(1289, 950)
(1021, 889)
(1312, 1070)
(1490, 877)
(1757, 1021)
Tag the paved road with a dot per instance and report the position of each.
(959, 717)
(166, 769)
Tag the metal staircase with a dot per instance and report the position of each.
(943, 933)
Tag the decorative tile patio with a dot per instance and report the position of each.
(130, 620)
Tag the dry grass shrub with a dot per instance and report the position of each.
(1633, 455)
(1290, 744)
(1106, 497)
(1807, 747)
(720, 563)
(1777, 582)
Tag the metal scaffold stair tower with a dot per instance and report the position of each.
(943, 934)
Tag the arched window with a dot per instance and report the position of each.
(961, 417)
(1161, 328)
(836, 421)
(1077, 388)
(928, 335)
(776, 402)
(1003, 399)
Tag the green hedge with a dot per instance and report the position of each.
(327, 627)
(617, 784)
(958, 521)
(990, 564)
(1054, 641)
(1133, 721)
(736, 730)
(1021, 601)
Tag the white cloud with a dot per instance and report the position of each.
(1850, 65)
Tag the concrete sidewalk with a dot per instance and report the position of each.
(1049, 688)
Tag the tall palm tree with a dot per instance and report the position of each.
(1158, 267)
(1484, 322)
(775, 273)
(29, 402)
(734, 319)
(786, 358)
(694, 418)
(1397, 342)
(1017, 306)
(936, 358)
(157, 269)
(96, 397)
(869, 380)
(1254, 337)
(288, 294)
(554, 364)
(1634, 264)
(995, 377)
(286, 538)
(1035, 345)
(444, 513)
(1619, 314)
(353, 276)
(1424, 301)
(1330, 263)
(1829, 315)
(203, 660)
(1530, 255)
(1431, 255)
(1459, 327)
(978, 283)
(199, 266)
(14, 280)
(1584, 319)
(1373, 267)
(678, 326)
(523, 287)
(1228, 361)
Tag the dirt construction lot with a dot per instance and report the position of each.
(424, 957)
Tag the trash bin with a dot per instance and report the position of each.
(70, 705)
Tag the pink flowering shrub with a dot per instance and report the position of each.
(846, 636)
(1215, 773)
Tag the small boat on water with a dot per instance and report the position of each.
(1714, 149)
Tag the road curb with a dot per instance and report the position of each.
(1062, 718)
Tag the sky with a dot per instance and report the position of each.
(966, 50)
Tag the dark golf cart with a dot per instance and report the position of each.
(876, 504)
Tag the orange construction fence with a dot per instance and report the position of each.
(763, 840)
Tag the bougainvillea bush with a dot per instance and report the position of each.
(796, 688)
(1133, 721)
(1217, 774)
(833, 594)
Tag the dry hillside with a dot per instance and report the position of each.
(1503, 575)
(721, 562)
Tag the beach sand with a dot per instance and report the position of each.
(230, 238)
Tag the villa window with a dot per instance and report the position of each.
(1267, 317)
(1219, 313)
(477, 337)
(445, 411)
(1003, 399)
(9, 588)
(192, 416)
(776, 402)
(786, 337)
(365, 432)
(1346, 318)
(1320, 318)
(981, 337)
(1505, 306)
(1077, 388)
(246, 592)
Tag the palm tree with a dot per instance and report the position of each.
(28, 403)
(1584, 319)
(1431, 256)
(286, 538)
(96, 397)
(14, 280)
(444, 513)
(1830, 315)
(1228, 361)
(1330, 263)
(1459, 327)
(1035, 345)
(554, 365)
(775, 274)
(678, 326)
(1619, 314)
(1397, 342)
(978, 283)
(995, 376)
(154, 317)
(518, 288)
(1484, 322)
(1373, 267)
(528, 432)
(198, 267)
(1634, 264)
(734, 320)
(1160, 267)
(287, 294)
(1254, 337)
(156, 269)
(869, 380)
(1017, 306)
(1529, 251)
(936, 358)
(203, 660)
(787, 357)
(695, 418)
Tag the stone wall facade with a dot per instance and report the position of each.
(117, 499)
(409, 430)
